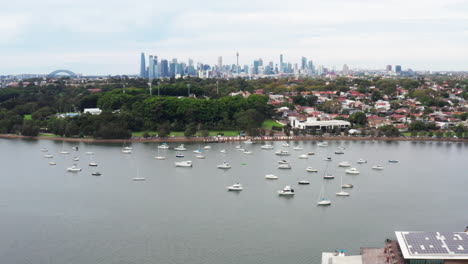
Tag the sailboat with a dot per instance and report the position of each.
(63, 150)
(159, 157)
(322, 200)
(126, 149)
(342, 193)
(138, 177)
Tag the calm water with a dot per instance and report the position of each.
(185, 215)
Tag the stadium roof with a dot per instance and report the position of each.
(433, 245)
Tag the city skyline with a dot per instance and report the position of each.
(422, 35)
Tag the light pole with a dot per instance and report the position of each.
(188, 88)
(151, 90)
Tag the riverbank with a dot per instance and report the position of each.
(233, 139)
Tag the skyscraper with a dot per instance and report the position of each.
(142, 66)
(345, 70)
(398, 69)
(388, 68)
(164, 68)
(237, 69)
(303, 63)
(220, 63)
(151, 68)
(281, 66)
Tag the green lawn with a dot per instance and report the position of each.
(48, 135)
(268, 124)
(27, 117)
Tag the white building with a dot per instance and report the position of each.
(313, 123)
(93, 111)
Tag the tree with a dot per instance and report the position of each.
(164, 130)
(358, 118)
(459, 131)
(331, 106)
(72, 129)
(204, 133)
(389, 131)
(191, 130)
(29, 129)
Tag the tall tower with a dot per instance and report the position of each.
(237, 65)
(220, 63)
(142, 66)
(281, 66)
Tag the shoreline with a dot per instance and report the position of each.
(234, 139)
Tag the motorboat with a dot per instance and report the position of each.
(282, 152)
(73, 168)
(179, 155)
(96, 173)
(298, 148)
(393, 161)
(181, 147)
(339, 152)
(52, 163)
(185, 163)
(44, 150)
(328, 159)
(225, 165)
(64, 152)
(360, 161)
(238, 146)
(128, 148)
(76, 159)
(248, 141)
(89, 153)
(126, 151)
(139, 179)
(160, 157)
(241, 149)
(328, 177)
(163, 146)
(287, 191)
(377, 167)
(352, 171)
(93, 164)
(303, 182)
(267, 146)
(310, 169)
(207, 147)
(344, 164)
(343, 148)
(310, 153)
(286, 145)
(304, 156)
(284, 166)
(235, 187)
(223, 151)
(324, 202)
(75, 148)
(347, 185)
(271, 177)
(200, 156)
(197, 151)
(49, 156)
(322, 144)
(248, 152)
(283, 162)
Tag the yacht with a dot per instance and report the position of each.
(126, 151)
(339, 152)
(322, 144)
(199, 156)
(352, 171)
(324, 202)
(393, 161)
(304, 156)
(225, 165)
(160, 157)
(283, 162)
(75, 148)
(179, 155)
(96, 173)
(89, 153)
(310, 169)
(93, 164)
(248, 152)
(328, 177)
(284, 166)
(347, 185)
(267, 146)
(197, 151)
(73, 168)
(49, 156)
(64, 152)
(238, 146)
(223, 151)
(298, 148)
(344, 164)
(163, 146)
(248, 141)
(180, 148)
(235, 187)
(52, 163)
(282, 153)
(128, 148)
(328, 159)
(377, 167)
(310, 153)
(76, 159)
(271, 177)
(303, 182)
(185, 163)
(286, 145)
(207, 147)
(287, 191)
(44, 150)
(360, 161)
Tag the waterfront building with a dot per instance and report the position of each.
(311, 123)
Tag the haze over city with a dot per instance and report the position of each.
(89, 37)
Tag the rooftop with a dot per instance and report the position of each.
(433, 245)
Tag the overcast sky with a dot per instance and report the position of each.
(106, 37)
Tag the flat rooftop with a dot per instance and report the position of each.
(433, 245)
(333, 258)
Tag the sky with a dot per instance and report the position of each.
(107, 37)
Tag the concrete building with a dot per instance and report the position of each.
(93, 111)
(313, 124)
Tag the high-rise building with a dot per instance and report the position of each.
(151, 68)
(220, 63)
(142, 66)
(345, 70)
(398, 69)
(303, 63)
(164, 68)
(281, 65)
(311, 67)
(388, 68)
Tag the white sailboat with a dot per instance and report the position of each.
(138, 177)
(159, 156)
(63, 151)
(323, 201)
(342, 192)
